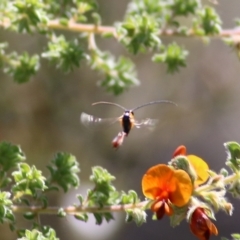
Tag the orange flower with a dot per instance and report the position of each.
(201, 225)
(166, 185)
(199, 165)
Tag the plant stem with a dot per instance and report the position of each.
(226, 181)
(78, 27)
(91, 28)
(71, 210)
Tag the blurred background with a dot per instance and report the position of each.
(42, 116)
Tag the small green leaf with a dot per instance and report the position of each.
(233, 149)
(173, 56)
(47, 234)
(26, 201)
(65, 54)
(61, 212)
(233, 158)
(183, 8)
(139, 33)
(129, 217)
(236, 236)
(6, 214)
(237, 21)
(98, 218)
(178, 216)
(138, 216)
(208, 21)
(22, 67)
(81, 216)
(10, 156)
(64, 168)
(80, 198)
(131, 197)
(118, 75)
(224, 172)
(29, 215)
(28, 180)
(29, 14)
(44, 201)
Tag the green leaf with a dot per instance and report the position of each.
(130, 198)
(44, 200)
(104, 193)
(28, 181)
(178, 216)
(137, 215)
(3, 46)
(80, 198)
(22, 67)
(118, 75)
(139, 33)
(47, 234)
(101, 216)
(64, 54)
(129, 217)
(183, 8)
(173, 56)
(108, 216)
(208, 22)
(98, 217)
(10, 156)
(233, 149)
(29, 14)
(64, 168)
(236, 236)
(234, 189)
(159, 11)
(237, 21)
(29, 215)
(6, 214)
(233, 158)
(61, 212)
(224, 172)
(81, 216)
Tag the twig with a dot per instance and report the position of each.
(71, 210)
(91, 28)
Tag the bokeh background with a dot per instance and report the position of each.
(42, 116)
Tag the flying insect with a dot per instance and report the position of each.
(126, 120)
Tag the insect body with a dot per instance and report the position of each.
(127, 120)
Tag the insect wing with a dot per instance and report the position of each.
(147, 123)
(92, 121)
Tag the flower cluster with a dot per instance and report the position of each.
(171, 189)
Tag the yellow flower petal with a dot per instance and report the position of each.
(200, 167)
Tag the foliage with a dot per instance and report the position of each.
(174, 197)
(183, 188)
(169, 189)
(142, 29)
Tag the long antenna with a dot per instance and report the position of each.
(154, 102)
(110, 103)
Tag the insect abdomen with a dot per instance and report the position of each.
(127, 122)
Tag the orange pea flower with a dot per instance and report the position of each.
(199, 165)
(201, 226)
(165, 185)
